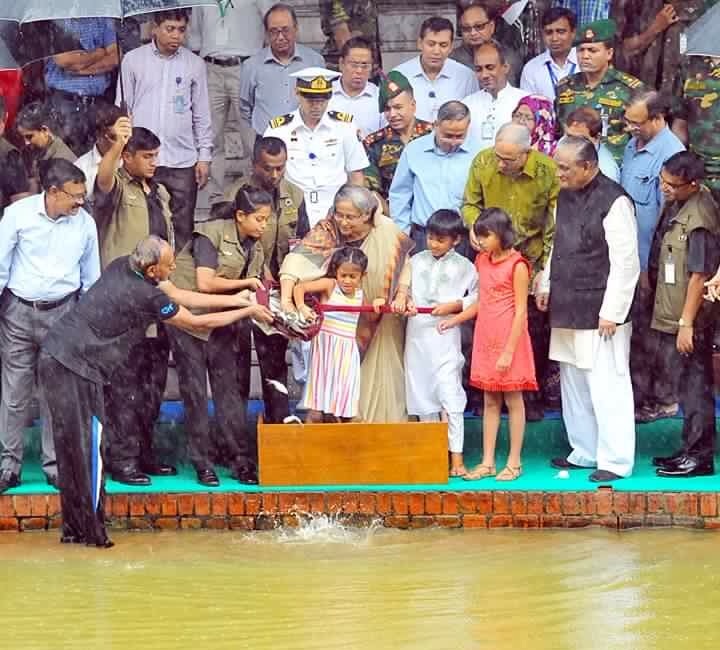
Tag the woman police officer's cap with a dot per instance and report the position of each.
(315, 82)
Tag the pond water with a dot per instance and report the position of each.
(324, 586)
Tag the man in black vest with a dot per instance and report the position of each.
(588, 287)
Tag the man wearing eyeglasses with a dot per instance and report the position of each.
(650, 145)
(48, 256)
(266, 87)
(353, 93)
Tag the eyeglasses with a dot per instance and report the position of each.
(78, 198)
(634, 125)
(475, 27)
(275, 32)
(675, 186)
(357, 65)
(339, 216)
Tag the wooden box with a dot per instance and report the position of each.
(352, 454)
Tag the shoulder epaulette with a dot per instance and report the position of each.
(340, 117)
(374, 137)
(281, 120)
(629, 80)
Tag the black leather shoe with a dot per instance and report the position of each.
(8, 480)
(51, 480)
(603, 476)
(245, 474)
(564, 463)
(664, 461)
(208, 477)
(130, 476)
(158, 469)
(687, 466)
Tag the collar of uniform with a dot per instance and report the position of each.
(232, 235)
(419, 72)
(160, 55)
(339, 90)
(269, 57)
(125, 176)
(40, 207)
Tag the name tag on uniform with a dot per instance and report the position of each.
(669, 272)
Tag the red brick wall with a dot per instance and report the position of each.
(485, 509)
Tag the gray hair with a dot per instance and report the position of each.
(583, 150)
(147, 252)
(453, 111)
(362, 199)
(512, 133)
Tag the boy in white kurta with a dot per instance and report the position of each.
(447, 281)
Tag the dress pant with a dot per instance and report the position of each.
(271, 351)
(75, 409)
(546, 371)
(695, 390)
(217, 358)
(655, 383)
(22, 330)
(132, 403)
(183, 189)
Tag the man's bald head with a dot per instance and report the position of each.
(577, 162)
(516, 134)
(512, 148)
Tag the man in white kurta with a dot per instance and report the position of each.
(598, 409)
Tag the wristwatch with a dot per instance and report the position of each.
(682, 323)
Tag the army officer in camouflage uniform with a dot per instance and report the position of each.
(342, 19)
(698, 125)
(598, 85)
(384, 146)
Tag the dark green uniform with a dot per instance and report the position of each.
(610, 98)
(361, 17)
(383, 149)
(701, 95)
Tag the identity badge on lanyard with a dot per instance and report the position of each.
(669, 268)
(553, 78)
(487, 128)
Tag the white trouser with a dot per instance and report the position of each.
(456, 429)
(599, 413)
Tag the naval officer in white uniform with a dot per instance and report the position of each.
(324, 151)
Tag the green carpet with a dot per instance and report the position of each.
(543, 441)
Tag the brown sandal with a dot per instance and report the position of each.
(456, 472)
(509, 473)
(481, 471)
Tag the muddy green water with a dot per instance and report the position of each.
(327, 587)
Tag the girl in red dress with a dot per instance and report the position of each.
(502, 360)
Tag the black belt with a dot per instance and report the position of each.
(45, 305)
(226, 63)
(80, 99)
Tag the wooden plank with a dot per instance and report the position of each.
(352, 453)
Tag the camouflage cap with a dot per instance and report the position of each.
(599, 31)
(395, 83)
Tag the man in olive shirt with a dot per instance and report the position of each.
(129, 206)
(288, 223)
(13, 180)
(523, 182)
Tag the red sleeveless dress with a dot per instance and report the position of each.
(496, 310)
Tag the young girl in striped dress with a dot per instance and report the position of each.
(332, 390)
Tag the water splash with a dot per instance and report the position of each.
(322, 529)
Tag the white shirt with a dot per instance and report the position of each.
(239, 33)
(363, 107)
(454, 81)
(541, 74)
(43, 258)
(320, 159)
(89, 163)
(579, 347)
(488, 113)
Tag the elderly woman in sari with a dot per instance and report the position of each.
(535, 112)
(356, 221)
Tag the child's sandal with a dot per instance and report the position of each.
(509, 473)
(481, 471)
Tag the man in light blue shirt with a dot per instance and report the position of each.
(435, 78)
(650, 145)
(48, 256)
(432, 172)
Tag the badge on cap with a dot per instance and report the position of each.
(589, 34)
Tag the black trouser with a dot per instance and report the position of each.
(132, 404)
(654, 382)
(270, 352)
(695, 390)
(539, 329)
(183, 189)
(73, 402)
(217, 358)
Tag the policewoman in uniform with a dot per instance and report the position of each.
(324, 151)
(598, 85)
(225, 255)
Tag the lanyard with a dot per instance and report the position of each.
(551, 72)
(224, 6)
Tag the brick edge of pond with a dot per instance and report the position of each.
(468, 509)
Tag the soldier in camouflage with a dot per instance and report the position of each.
(598, 85)
(698, 123)
(384, 147)
(343, 19)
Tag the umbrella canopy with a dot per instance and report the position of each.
(702, 35)
(26, 11)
